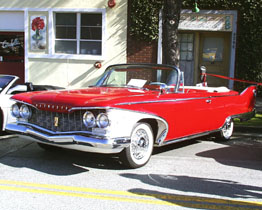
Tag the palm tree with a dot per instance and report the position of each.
(171, 17)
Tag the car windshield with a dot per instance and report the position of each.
(4, 81)
(139, 76)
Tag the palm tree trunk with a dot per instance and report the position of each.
(171, 17)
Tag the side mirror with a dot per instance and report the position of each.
(203, 76)
(17, 88)
(203, 68)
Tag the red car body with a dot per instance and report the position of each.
(111, 111)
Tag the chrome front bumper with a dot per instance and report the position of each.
(71, 141)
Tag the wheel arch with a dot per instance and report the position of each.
(159, 129)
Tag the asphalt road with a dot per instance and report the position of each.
(197, 174)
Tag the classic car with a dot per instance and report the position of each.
(131, 109)
(9, 87)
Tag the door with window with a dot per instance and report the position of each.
(186, 62)
(12, 54)
(215, 56)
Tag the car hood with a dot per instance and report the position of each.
(93, 96)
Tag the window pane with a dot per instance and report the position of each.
(91, 26)
(67, 47)
(213, 49)
(65, 26)
(91, 33)
(183, 37)
(91, 20)
(66, 19)
(190, 38)
(183, 56)
(189, 56)
(190, 46)
(90, 48)
(184, 46)
(65, 32)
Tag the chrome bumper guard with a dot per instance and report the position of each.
(71, 141)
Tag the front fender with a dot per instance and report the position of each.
(122, 123)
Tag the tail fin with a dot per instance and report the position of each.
(249, 95)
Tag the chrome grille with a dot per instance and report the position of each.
(66, 121)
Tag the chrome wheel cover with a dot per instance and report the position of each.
(227, 129)
(141, 144)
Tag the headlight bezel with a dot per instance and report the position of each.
(89, 115)
(101, 119)
(25, 112)
(16, 113)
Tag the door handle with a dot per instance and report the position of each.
(209, 101)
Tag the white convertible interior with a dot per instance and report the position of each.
(209, 89)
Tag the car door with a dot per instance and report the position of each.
(191, 114)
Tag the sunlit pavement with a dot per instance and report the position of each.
(198, 174)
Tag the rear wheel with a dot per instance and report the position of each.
(140, 149)
(226, 131)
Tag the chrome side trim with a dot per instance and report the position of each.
(161, 101)
(172, 100)
(188, 137)
(91, 108)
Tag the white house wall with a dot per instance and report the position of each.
(15, 21)
(73, 71)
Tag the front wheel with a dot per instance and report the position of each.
(227, 130)
(140, 149)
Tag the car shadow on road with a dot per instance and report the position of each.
(58, 161)
(169, 147)
(238, 152)
(62, 162)
(197, 185)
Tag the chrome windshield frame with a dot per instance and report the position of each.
(111, 68)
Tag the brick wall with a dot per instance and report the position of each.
(141, 51)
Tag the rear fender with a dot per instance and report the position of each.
(249, 97)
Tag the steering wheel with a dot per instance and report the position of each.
(161, 84)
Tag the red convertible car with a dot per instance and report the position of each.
(131, 109)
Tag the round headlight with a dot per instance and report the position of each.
(25, 112)
(89, 119)
(102, 120)
(15, 110)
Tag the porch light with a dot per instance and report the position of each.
(195, 9)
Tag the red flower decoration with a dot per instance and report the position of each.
(38, 24)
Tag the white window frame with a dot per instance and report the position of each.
(51, 35)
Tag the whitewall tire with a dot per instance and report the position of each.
(227, 130)
(140, 149)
